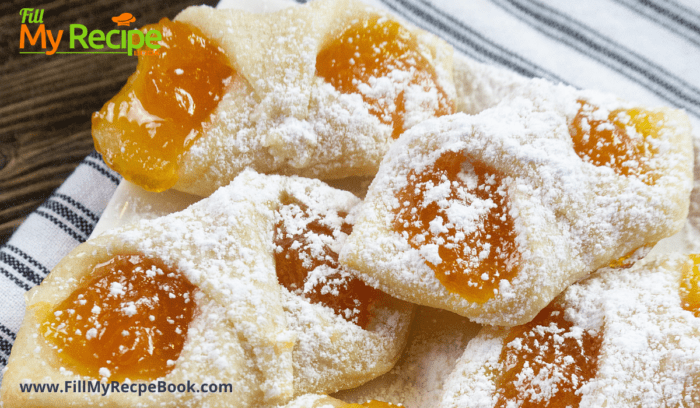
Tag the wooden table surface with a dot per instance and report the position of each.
(46, 101)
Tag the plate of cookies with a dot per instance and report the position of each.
(325, 206)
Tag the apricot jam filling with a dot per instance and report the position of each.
(372, 53)
(620, 141)
(690, 286)
(544, 362)
(160, 111)
(306, 257)
(461, 207)
(129, 319)
(628, 260)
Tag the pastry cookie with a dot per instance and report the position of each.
(347, 332)
(620, 338)
(492, 216)
(195, 298)
(319, 90)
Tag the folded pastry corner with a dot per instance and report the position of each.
(620, 338)
(200, 297)
(318, 90)
(492, 216)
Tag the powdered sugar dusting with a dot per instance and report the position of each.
(332, 352)
(283, 118)
(649, 349)
(571, 217)
(247, 328)
(438, 338)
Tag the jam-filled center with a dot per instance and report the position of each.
(544, 362)
(690, 286)
(159, 113)
(457, 213)
(306, 257)
(129, 320)
(380, 60)
(619, 140)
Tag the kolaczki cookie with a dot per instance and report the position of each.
(491, 216)
(203, 296)
(318, 91)
(617, 339)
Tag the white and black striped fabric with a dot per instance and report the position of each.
(646, 51)
(65, 220)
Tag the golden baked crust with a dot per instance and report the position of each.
(248, 330)
(649, 345)
(280, 116)
(570, 216)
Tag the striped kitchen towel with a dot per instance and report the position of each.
(61, 223)
(642, 50)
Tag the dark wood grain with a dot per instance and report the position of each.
(46, 101)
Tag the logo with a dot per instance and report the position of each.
(124, 19)
(83, 41)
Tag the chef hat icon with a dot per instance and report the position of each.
(124, 19)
